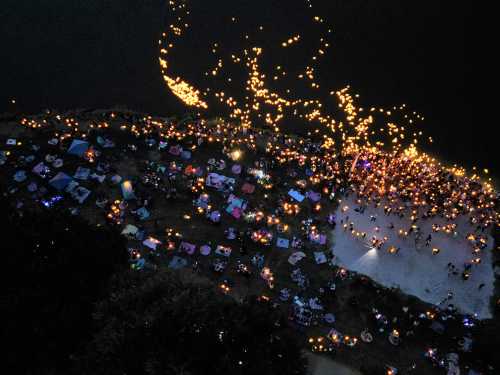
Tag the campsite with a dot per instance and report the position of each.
(185, 194)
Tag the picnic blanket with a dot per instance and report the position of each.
(296, 195)
(282, 242)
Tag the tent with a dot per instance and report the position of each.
(127, 190)
(78, 147)
(313, 196)
(320, 257)
(32, 187)
(41, 170)
(20, 176)
(60, 181)
(82, 173)
(80, 194)
(187, 247)
(223, 250)
(143, 213)
(205, 250)
(248, 188)
(317, 238)
(214, 216)
(202, 201)
(236, 169)
(219, 182)
(105, 142)
(151, 242)
(130, 230)
(296, 257)
(175, 150)
(98, 177)
(150, 142)
(236, 206)
(186, 155)
(116, 179)
(71, 186)
(58, 163)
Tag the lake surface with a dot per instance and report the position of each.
(68, 54)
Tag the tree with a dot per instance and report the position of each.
(159, 323)
(55, 267)
(486, 341)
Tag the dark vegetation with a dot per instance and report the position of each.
(71, 306)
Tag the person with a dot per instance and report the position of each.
(428, 240)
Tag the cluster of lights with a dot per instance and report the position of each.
(115, 212)
(268, 276)
(291, 208)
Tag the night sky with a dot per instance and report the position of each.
(68, 54)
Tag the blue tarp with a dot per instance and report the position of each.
(78, 147)
(282, 242)
(60, 181)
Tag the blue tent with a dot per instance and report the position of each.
(60, 181)
(78, 147)
(20, 176)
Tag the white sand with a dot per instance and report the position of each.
(324, 365)
(415, 270)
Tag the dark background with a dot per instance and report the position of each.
(69, 54)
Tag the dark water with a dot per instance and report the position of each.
(101, 53)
